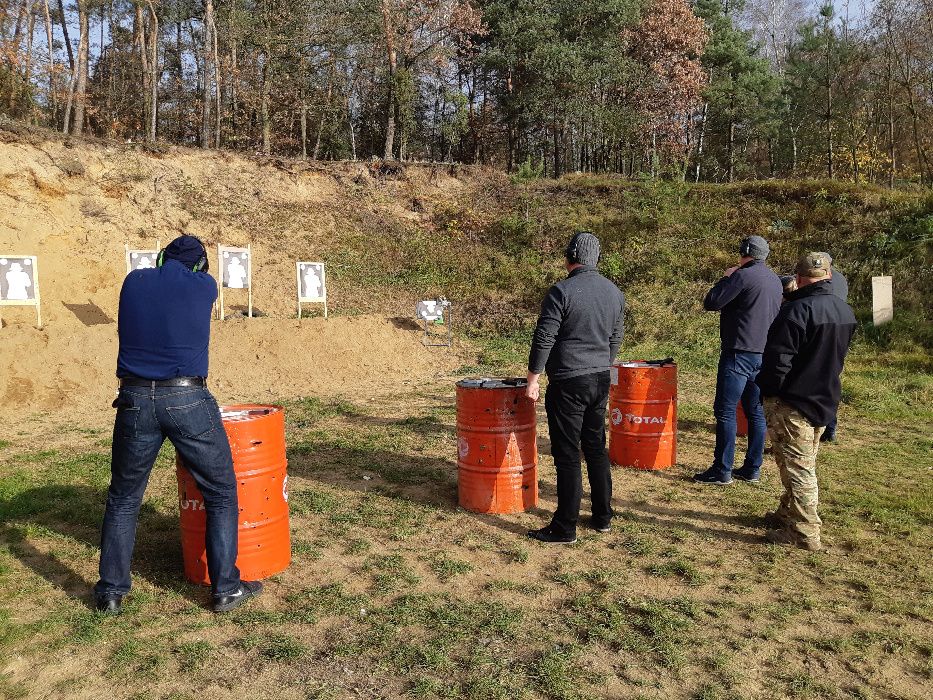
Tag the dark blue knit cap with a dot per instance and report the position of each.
(187, 250)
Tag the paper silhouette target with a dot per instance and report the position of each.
(17, 279)
(312, 285)
(141, 260)
(19, 282)
(235, 267)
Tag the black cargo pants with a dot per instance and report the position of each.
(576, 417)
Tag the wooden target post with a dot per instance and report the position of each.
(227, 280)
(312, 284)
(19, 285)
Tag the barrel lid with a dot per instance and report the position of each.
(646, 363)
(493, 383)
(248, 412)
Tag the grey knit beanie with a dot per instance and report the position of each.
(754, 247)
(583, 248)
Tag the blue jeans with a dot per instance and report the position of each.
(735, 381)
(190, 418)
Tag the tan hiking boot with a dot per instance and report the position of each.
(784, 536)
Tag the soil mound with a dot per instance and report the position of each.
(76, 206)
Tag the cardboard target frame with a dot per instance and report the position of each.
(130, 251)
(221, 249)
(35, 301)
(311, 300)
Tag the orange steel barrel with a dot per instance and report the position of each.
(257, 441)
(741, 421)
(497, 445)
(643, 415)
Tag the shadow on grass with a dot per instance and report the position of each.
(74, 512)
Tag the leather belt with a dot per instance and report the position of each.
(177, 381)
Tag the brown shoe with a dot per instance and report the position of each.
(784, 536)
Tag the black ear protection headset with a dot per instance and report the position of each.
(745, 247)
(199, 266)
(572, 252)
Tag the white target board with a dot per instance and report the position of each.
(312, 285)
(19, 282)
(235, 269)
(882, 300)
(138, 259)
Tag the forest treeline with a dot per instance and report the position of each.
(701, 89)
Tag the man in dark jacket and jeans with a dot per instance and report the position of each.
(799, 381)
(164, 328)
(576, 340)
(748, 297)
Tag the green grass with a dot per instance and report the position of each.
(391, 582)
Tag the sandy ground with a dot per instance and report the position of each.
(76, 206)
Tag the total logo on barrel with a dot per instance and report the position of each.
(643, 414)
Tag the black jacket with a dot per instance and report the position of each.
(807, 345)
(749, 300)
(580, 327)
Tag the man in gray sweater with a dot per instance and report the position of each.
(576, 340)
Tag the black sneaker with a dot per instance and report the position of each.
(713, 476)
(604, 528)
(247, 590)
(753, 476)
(546, 534)
(109, 603)
(828, 436)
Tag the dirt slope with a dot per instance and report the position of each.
(75, 205)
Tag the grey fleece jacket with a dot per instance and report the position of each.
(580, 327)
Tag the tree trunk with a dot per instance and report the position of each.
(264, 109)
(217, 104)
(142, 46)
(153, 73)
(392, 56)
(77, 128)
(701, 140)
(829, 101)
(731, 150)
(207, 54)
(304, 128)
(61, 17)
(53, 102)
(320, 124)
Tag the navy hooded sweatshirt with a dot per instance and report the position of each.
(164, 322)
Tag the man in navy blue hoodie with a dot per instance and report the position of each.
(748, 298)
(164, 328)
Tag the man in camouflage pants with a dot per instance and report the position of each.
(800, 389)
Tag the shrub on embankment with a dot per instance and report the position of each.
(665, 243)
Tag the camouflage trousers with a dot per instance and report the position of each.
(794, 444)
